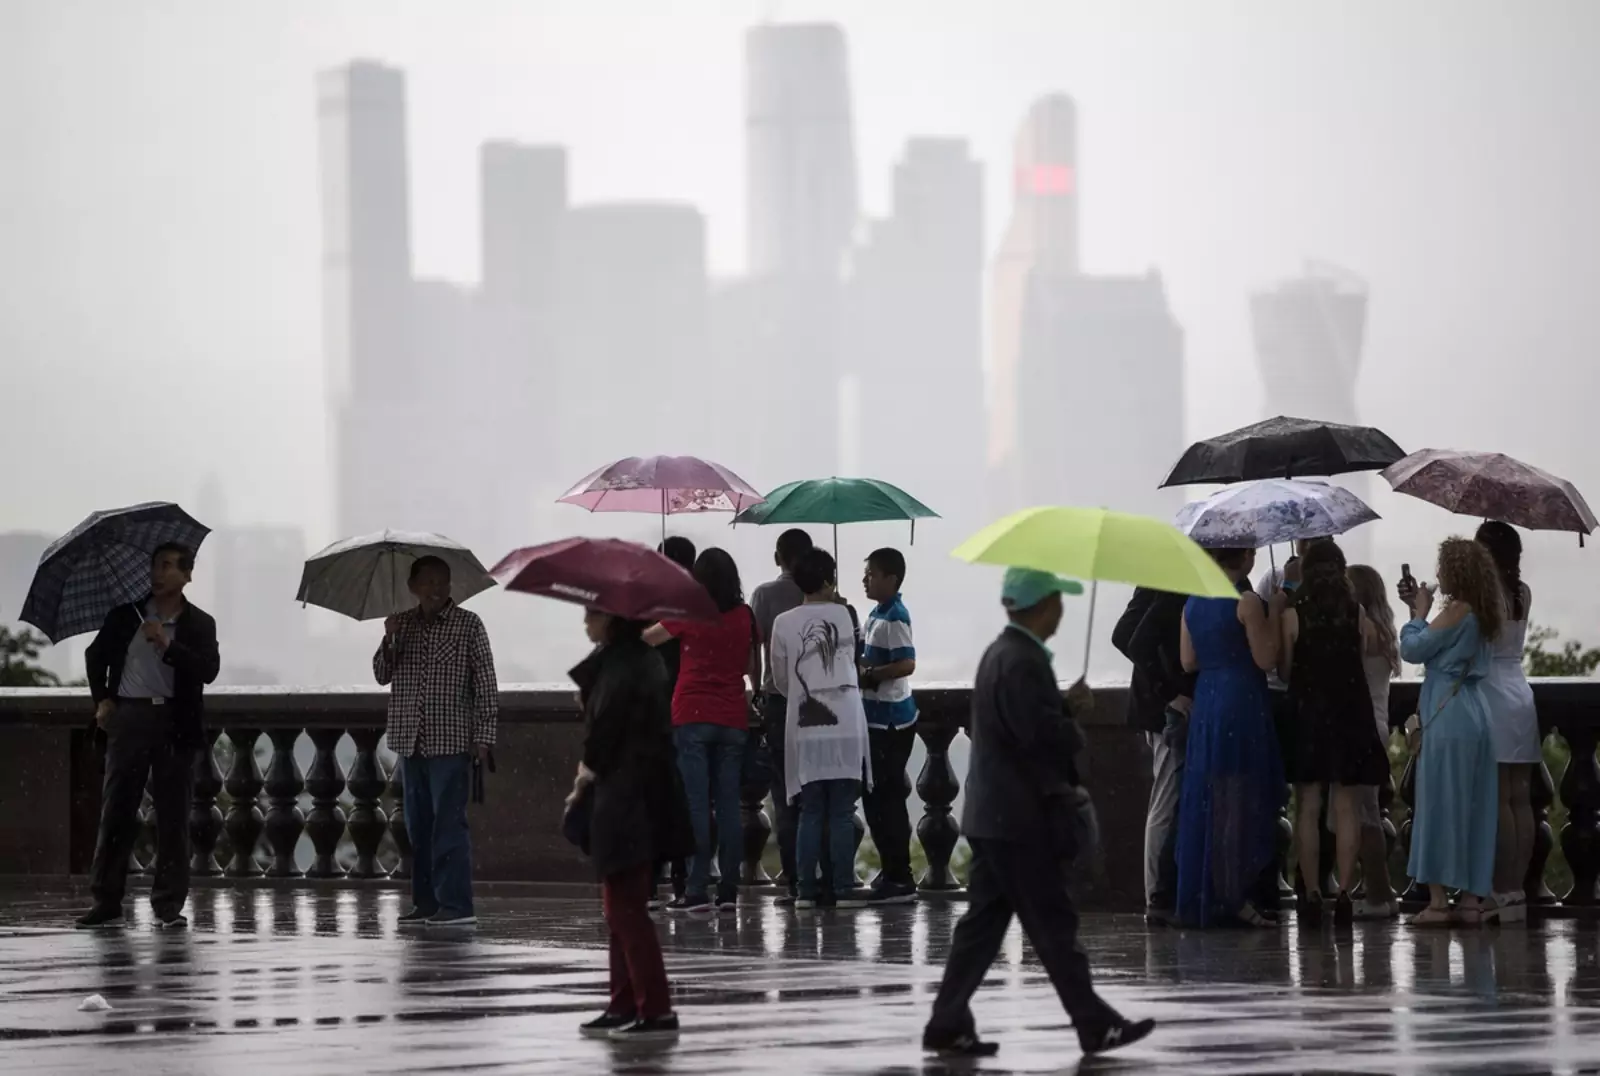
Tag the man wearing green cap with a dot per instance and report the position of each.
(1018, 817)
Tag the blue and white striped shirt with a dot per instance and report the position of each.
(887, 639)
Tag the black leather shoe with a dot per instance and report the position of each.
(100, 916)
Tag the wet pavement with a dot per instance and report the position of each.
(308, 982)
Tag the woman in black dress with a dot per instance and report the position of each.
(1337, 742)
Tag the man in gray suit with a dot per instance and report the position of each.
(1020, 819)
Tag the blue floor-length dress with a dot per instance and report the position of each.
(1233, 783)
(1458, 804)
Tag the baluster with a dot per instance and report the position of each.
(142, 860)
(1282, 842)
(244, 821)
(757, 831)
(285, 821)
(1580, 837)
(1408, 795)
(397, 820)
(1391, 837)
(205, 817)
(937, 785)
(1542, 794)
(325, 823)
(367, 820)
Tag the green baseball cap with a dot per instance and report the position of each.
(1025, 587)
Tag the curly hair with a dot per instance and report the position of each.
(1505, 546)
(1467, 573)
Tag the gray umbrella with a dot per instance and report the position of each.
(367, 578)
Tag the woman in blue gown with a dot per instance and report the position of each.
(1233, 783)
(1458, 807)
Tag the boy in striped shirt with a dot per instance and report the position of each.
(888, 658)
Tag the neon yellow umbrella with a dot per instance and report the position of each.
(1096, 544)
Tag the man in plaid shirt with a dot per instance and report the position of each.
(443, 704)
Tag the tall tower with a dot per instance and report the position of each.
(1309, 332)
(366, 270)
(523, 194)
(800, 156)
(1041, 237)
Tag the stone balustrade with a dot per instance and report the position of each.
(347, 802)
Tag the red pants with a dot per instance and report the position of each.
(638, 975)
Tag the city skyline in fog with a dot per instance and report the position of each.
(1442, 159)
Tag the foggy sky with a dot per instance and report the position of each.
(159, 268)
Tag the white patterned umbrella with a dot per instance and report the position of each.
(1272, 510)
(368, 578)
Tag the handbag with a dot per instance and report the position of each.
(578, 817)
(755, 770)
(1414, 724)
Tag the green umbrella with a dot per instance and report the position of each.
(1096, 544)
(836, 501)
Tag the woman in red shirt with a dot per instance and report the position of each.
(710, 722)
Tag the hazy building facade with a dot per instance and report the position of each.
(1088, 389)
(1309, 332)
(366, 281)
(914, 331)
(255, 572)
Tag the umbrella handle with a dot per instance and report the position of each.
(1088, 633)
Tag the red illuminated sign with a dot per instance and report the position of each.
(1047, 180)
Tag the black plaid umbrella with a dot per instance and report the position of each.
(102, 563)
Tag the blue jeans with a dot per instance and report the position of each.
(711, 759)
(436, 822)
(833, 803)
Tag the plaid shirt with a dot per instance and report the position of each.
(444, 696)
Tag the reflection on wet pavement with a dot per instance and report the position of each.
(281, 982)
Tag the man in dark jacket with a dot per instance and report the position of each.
(1159, 698)
(1021, 777)
(147, 671)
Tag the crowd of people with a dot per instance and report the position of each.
(1288, 687)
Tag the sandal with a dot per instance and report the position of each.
(1252, 918)
(1474, 915)
(1433, 917)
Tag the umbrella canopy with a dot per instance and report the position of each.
(1492, 486)
(1284, 448)
(102, 563)
(368, 578)
(836, 501)
(1097, 544)
(1270, 511)
(621, 578)
(662, 484)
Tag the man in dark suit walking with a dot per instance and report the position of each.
(147, 671)
(1019, 817)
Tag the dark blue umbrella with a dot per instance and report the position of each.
(102, 563)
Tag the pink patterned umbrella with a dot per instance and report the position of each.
(666, 484)
(1492, 486)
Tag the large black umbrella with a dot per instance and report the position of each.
(102, 563)
(1284, 448)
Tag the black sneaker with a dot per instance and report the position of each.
(966, 1044)
(603, 1025)
(728, 905)
(1344, 912)
(887, 892)
(855, 898)
(1159, 917)
(786, 900)
(1120, 1034)
(101, 917)
(655, 1029)
(691, 906)
(415, 917)
(174, 921)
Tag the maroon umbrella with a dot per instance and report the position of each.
(621, 578)
(1492, 486)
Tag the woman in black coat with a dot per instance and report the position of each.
(628, 785)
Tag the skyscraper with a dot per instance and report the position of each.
(800, 157)
(1309, 333)
(1087, 402)
(366, 275)
(523, 194)
(914, 328)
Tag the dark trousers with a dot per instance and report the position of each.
(437, 790)
(638, 973)
(139, 749)
(884, 804)
(1006, 879)
(786, 820)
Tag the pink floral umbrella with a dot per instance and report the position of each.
(1493, 486)
(670, 485)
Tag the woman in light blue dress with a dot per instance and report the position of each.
(1457, 800)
